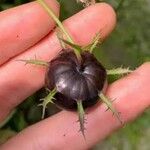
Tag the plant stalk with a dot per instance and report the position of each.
(52, 14)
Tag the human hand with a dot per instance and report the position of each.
(21, 39)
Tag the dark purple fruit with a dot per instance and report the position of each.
(75, 80)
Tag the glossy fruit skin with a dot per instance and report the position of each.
(75, 80)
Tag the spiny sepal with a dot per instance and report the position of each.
(81, 115)
(109, 105)
(60, 37)
(79, 48)
(119, 71)
(35, 62)
(74, 46)
(96, 40)
(48, 99)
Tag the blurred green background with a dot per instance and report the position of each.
(128, 46)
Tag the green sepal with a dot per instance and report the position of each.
(35, 62)
(119, 71)
(93, 44)
(48, 99)
(95, 41)
(81, 115)
(74, 46)
(109, 104)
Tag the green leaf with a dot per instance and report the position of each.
(18, 121)
(8, 118)
(5, 134)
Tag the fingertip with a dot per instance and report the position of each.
(109, 13)
(23, 26)
(87, 23)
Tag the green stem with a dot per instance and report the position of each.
(52, 14)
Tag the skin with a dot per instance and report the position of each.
(18, 81)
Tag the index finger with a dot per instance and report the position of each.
(23, 26)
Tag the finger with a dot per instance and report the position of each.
(23, 26)
(98, 19)
(132, 100)
(18, 81)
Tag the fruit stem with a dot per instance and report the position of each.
(52, 14)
